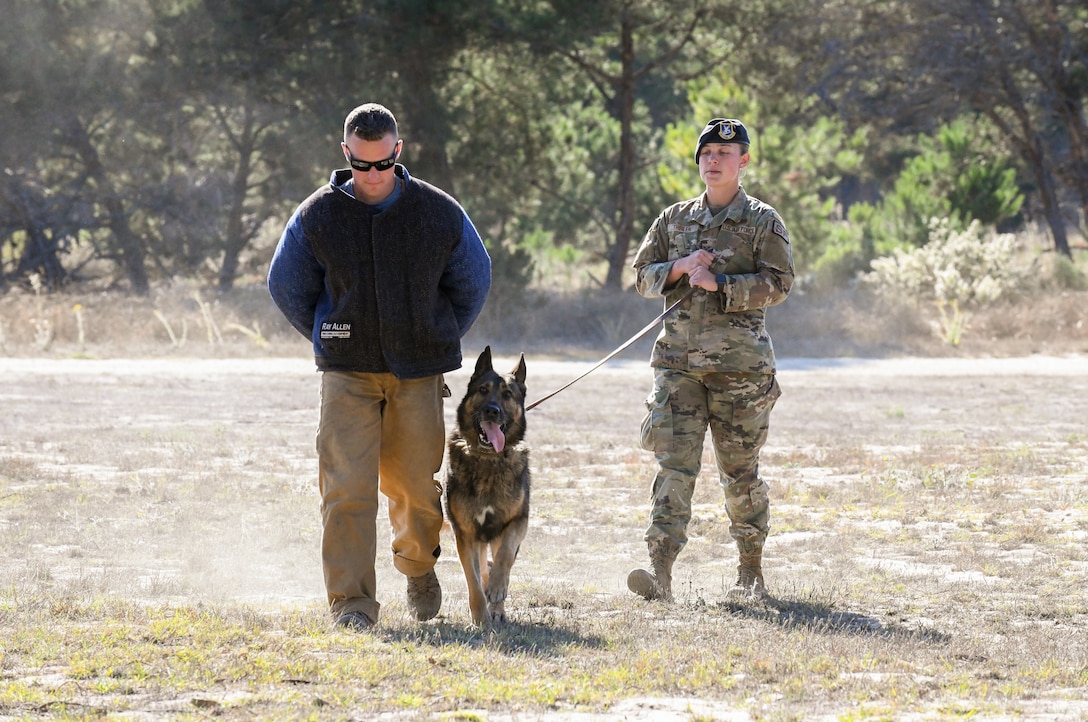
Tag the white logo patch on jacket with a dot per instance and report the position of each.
(335, 330)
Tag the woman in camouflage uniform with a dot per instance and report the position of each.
(713, 362)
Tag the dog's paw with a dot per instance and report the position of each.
(496, 613)
(498, 581)
(496, 593)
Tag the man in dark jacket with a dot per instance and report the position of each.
(384, 273)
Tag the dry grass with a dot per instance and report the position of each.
(159, 524)
(183, 319)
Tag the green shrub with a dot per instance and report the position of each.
(959, 175)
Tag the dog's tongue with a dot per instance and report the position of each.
(494, 435)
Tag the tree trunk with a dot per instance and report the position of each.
(129, 251)
(1068, 101)
(236, 239)
(1048, 192)
(430, 127)
(617, 257)
(1031, 144)
(41, 251)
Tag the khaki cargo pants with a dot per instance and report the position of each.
(736, 407)
(377, 432)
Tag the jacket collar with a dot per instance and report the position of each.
(732, 212)
(341, 178)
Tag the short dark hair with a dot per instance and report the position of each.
(370, 121)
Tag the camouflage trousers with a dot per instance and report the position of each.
(737, 408)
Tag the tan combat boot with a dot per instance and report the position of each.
(658, 583)
(749, 577)
(425, 595)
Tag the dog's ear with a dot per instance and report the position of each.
(519, 373)
(483, 364)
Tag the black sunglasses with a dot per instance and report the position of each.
(381, 165)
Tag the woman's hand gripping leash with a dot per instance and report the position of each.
(664, 314)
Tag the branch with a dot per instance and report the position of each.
(589, 211)
(598, 77)
(672, 52)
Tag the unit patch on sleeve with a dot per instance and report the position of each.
(780, 231)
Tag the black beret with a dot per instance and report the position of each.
(722, 130)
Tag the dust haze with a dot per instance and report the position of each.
(181, 480)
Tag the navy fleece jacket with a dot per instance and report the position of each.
(386, 288)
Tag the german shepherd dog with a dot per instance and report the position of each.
(487, 484)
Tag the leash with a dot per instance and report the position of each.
(609, 357)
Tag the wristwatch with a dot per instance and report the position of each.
(720, 278)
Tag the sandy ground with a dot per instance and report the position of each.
(126, 423)
(1037, 395)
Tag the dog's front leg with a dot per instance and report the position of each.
(469, 552)
(504, 551)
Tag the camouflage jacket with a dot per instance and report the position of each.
(714, 331)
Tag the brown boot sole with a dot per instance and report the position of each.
(642, 583)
